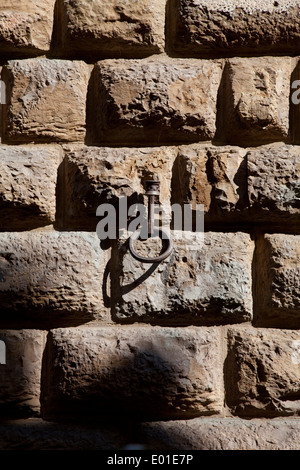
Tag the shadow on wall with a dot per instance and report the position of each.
(36, 434)
(143, 386)
(117, 288)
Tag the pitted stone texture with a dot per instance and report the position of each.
(277, 290)
(273, 183)
(95, 176)
(203, 282)
(20, 377)
(136, 371)
(212, 176)
(28, 178)
(262, 374)
(223, 434)
(256, 100)
(220, 27)
(155, 101)
(46, 100)
(51, 276)
(113, 29)
(25, 26)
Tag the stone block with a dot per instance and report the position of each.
(213, 433)
(20, 376)
(154, 101)
(256, 100)
(212, 176)
(94, 176)
(25, 27)
(112, 29)
(273, 184)
(38, 434)
(46, 100)
(199, 28)
(277, 281)
(119, 371)
(205, 281)
(28, 176)
(262, 372)
(51, 277)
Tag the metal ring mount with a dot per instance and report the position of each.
(156, 259)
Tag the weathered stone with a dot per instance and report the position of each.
(154, 101)
(277, 287)
(190, 182)
(94, 176)
(235, 185)
(273, 183)
(25, 26)
(37, 434)
(201, 28)
(205, 281)
(113, 29)
(262, 373)
(139, 371)
(241, 186)
(223, 434)
(20, 377)
(28, 178)
(51, 276)
(212, 176)
(227, 173)
(204, 433)
(256, 98)
(46, 100)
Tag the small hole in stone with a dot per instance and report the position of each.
(108, 166)
(184, 259)
(276, 4)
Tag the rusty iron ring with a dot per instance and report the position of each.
(156, 259)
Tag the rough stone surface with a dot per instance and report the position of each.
(273, 183)
(136, 371)
(212, 176)
(204, 281)
(113, 29)
(241, 186)
(50, 276)
(155, 101)
(46, 100)
(97, 98)
(256, 100)
(94, 176)
(20, 377)
(28, 177)
(37, 434)
(223, 434)
(277, 286)
(25, 26)
(236, 27)
(262, 374)
(226, 171)
(190, 182)
(205, 433)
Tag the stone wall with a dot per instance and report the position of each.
(202, 350)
